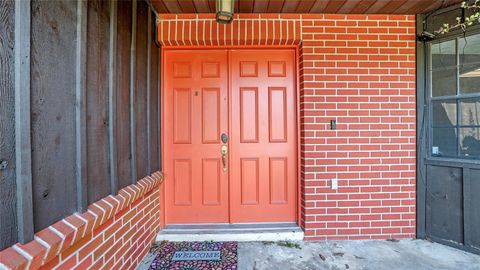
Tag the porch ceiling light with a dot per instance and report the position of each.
(225, 11)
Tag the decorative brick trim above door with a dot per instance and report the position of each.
(252, 29)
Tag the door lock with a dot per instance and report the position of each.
(224, 151)
(224, 138)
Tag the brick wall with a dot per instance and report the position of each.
(360, 71)
(115, 233)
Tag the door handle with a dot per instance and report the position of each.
(224, 151)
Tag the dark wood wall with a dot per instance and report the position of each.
(53, 81)
(97, 99)
(122, 81)
(79, 110)
(8, 198)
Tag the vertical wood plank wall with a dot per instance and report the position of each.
(8, 222)
(53, 91)
(122, 79)
(97, 99)
(81, 71)
(154, 100)
(140, 93)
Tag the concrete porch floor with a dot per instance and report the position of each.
(373, 254)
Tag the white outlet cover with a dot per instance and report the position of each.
(334, 183)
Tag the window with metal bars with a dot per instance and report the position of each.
(454, 97)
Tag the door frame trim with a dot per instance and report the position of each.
(164, 49)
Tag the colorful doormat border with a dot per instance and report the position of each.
(164, 253)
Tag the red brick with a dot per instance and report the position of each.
(102, 248)
(12, 259)
(53, 240)
(36, 252)
(90, 247)
(68, 264)
(67, 232)
(85, 264)
(90, 219)
(76, 246)
(100, 214)
(79, 224)
(50, 264)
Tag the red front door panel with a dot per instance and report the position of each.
(250, 96)
(263, 158)
(195, 115)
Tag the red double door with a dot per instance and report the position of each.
(230, 136)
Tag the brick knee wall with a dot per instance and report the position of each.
(115, 233)
(360, 71)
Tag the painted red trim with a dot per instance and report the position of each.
(162, 132)
(299, 149)
(219, 47)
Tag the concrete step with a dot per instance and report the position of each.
(232, 232)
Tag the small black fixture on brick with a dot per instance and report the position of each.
(333, 124)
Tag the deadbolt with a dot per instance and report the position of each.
(224, 138)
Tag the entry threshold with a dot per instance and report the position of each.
(232, 232)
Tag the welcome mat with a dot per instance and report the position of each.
(195, 256)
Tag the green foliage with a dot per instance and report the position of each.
(463, 23)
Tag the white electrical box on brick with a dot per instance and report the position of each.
(334, 183)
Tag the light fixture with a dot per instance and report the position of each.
(225, 11)
(425, 36)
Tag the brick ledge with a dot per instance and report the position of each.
(53, 240)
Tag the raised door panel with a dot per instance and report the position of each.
(211, 181)
(211, 115)
(182, 177)
(248, 69)
(277, 114)
(182, 113)
(249, 115)
(278, 180)
(182, 70)
(249, 171)
(210, 69)
(277, 69)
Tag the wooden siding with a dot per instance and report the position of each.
(307, 6)
(122, 78)
(8, 222)
(80, 67)
(97, 100)
(154, 91)
(140, 93)
(53, 86)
